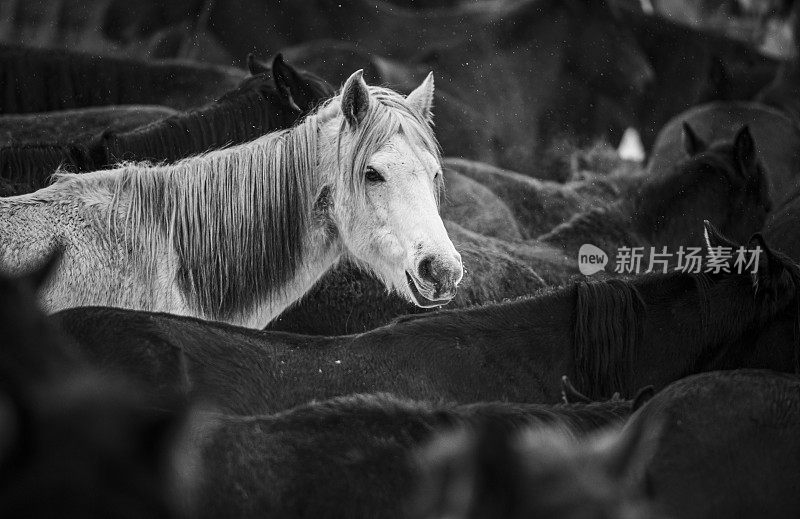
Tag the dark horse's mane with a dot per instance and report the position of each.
(250, 111)
(609, 325)
(31, 164)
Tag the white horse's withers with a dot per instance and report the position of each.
(241, 233)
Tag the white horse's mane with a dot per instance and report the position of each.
(237, 220)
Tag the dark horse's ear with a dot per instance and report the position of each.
(692, 144)
(37, 277)
(289, 84)
(570, 395)
(714, 238)
(642, 397)
(744, 149)
(355, 99)
(254, 66)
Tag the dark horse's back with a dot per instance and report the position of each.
(238, 370)
(133, 347)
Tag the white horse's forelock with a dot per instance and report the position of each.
(237, 220)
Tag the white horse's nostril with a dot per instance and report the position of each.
(425, 270)
(440, 272)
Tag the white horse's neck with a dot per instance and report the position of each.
(321, 256)
(238, 229)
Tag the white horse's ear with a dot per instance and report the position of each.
(355, 99)
(421, 99)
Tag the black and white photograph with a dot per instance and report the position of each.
(400, 259)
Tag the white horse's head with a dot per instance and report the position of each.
(385, 196)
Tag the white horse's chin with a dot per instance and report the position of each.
(415, 288)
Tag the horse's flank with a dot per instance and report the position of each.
(234, 235)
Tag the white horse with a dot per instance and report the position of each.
(239, 234)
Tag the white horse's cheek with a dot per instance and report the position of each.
(392, 248)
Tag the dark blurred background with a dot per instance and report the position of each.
(202, 29)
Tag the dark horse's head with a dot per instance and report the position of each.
(541, 472)
(300, 90)
(659, 327)
(724, 183)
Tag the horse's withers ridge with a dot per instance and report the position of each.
(239, 234)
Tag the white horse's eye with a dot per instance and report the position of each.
(373, 176)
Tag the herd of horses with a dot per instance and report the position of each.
(283, 291)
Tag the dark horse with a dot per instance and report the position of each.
(537, 205)
(268, 100)
(777, 139)
(612, 336)
(263, 103)
(281, 465)
(37, 80)
(729, 446)
(724, 183)
(74, 443)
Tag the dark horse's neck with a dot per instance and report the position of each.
(610, 335)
